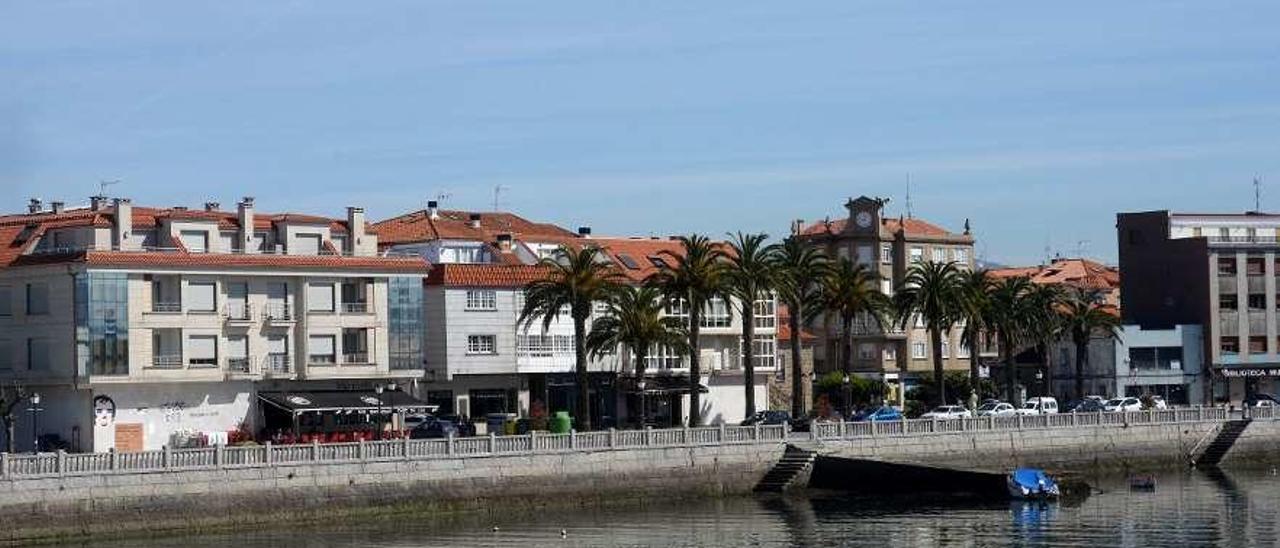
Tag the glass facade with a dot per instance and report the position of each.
(405, 322)
(102, 323)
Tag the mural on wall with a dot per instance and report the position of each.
(104, 411)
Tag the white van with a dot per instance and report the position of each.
(1044, 405)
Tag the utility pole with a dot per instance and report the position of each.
(909, 216)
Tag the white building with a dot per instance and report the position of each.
(220, 307)
(1163, 362)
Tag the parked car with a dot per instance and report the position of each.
(878, 414)
(1123, 404)
(1085, 406)
(433, 427)
(996, 409)
(465, 427)
(1157, 402)
(947, 412)
(1042, 405)
(1261, 400)
(1098, 399)
(767, 418)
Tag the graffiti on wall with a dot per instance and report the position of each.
(104, 411)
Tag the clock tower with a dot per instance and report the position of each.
(864, 215)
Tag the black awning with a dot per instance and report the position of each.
(345, 401)
(661, 385)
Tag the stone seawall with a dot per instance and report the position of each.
(182, 500)
(1109, 446)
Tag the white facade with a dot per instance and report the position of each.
(1167, 362)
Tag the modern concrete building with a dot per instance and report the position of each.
(1217, 271)
(143, 327)
(1162, 362)
(888, 247)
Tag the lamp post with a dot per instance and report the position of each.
(377, 390)
(848, 397)
(35, 429)
(644, 410)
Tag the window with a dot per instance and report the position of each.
(963, 351)
(322, 349)
(260, 241)
(865, 254)
(6, 355)
(764, 312)
(1162, 357)
(662, 357)
(340, 244)
(678, 308)
(1224, 233)
(202, 350)
(230, 242)
(37, 299)
(890, 352)
(196, 241)
(1257, 302)
(962, 255)
(238, 353)
(6, 301)
(443, 399)
(277, 353)
(886, 287)
(939, 254)
(866, 351)
(484, 401)
(199, 297)
(482, 344)
(716, 314)
(463, 254)
(918, 350)
(764, 348)
(481, 299)
(1228, 302)
(1230, 345)
(1254, 266)
(37, 354)
(946, 348)
(1257, 345)
(306, 244)
(1226, 266)
(320, 297)
(535, 346)
(886, 253)
(917, 254)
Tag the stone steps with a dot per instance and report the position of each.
(795, 461)
(1222, 442)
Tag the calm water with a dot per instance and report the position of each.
(1235, 508)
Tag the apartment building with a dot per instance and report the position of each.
(1215, 271)
(888, 247)
(143, 327)
(479, 360)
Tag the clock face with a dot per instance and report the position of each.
(863, 219)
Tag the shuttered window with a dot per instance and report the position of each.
(196, 241)
(306, 244)
(199, 296)
(202, 350)
(320, 297)
(320, 349)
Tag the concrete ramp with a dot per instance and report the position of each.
(873, 477)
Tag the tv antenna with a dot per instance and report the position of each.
(497, 192)
(909, 216)
(442, 196)
(1082, 246)
(103, 184)
(1257, 194)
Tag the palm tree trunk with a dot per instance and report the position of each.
(695, 365)
(846, 364)
(748, 355)
(580, 372)
(798, 403)
(1082, 358)
(974, 372)
(10, 445)
(642, 354)
(1011, 372)
(935, 337)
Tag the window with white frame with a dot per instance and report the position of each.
(962, 255)
(663, 357)
(482, 344)
(939, 254)
(946, 348)
(306, 244)
(678, 308)
(200, 297)
(339, 243)
(322, 349)
(963, 351)
(917, 254)
(535, 346)
(764, 348)
(886, 253)
(766, 315)
(202, 350)
(238, 352)
(716, 313)
(918, 350)
(320, 297)
(890, 352)
(230, 242)
(564, 345)
(196, 241)
(482, 299)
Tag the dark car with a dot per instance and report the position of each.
(1084, 406)
(433, 427)
(767, 418)
(1261, 400)
(878, 414)
(465, 427)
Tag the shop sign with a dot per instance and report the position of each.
(1234, 373)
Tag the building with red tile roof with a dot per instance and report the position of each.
(1082, 274)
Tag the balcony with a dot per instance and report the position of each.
(356, 308)
(239, 365)
(166, 308)
(277, 365)
(166, 361)
(321, 360)
(356, 358)
(278, 313)
(238, 312)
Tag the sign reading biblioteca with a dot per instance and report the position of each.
(1250, 372)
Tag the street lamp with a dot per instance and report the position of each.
(35, 430)
(377, 390)
(644, 411)
(848, 397)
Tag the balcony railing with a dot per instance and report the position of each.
(166, 307)
(279, 364)
(321, 359)
(238, 365)
(355, 358)
(167, 361)
(355, 308)
(277, 312)
(238, 312)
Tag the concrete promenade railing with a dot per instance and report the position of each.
(911, 427)
(205, 458)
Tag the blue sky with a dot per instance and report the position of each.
(1037, 120)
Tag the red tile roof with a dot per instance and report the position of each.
(485, 275)
(148, 217)
(640, 251)
(418, 226)
(784, 327)
(1078, 273)
(914, 227)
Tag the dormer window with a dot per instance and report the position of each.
(306, 244)
(196, 241)
(340, 243)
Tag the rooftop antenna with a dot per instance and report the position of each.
(1257, 195)
(909, 216)
(104, 183)
(1082, 246)
(497, 191)
(442, 196)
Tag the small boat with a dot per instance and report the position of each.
(1031, 483)
(1143, 482)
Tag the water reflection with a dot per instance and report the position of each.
(1185, 508)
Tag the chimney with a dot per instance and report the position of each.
(475, 220)
(584, 231)
(122, 228)
(433, 209)
(57, 206)
(355, 229)
(504, 243)
(96, 203)
(212, 206)
(34, 206)
(796, 226)
(244, 215)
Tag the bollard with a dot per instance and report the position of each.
(266, 453)
(448, 447)
(493, 443)
(166, 457)
(315, 450)
(573, 439)
(217, 455)
(4, 465)
(613, 438)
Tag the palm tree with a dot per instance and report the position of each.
(801, 271)
(1044, 325)
(634, 319)
(973, 296)
(576, 278)
(1010, 311)
(749, 276)
(930, 290)
(850, 291)
(1082, 318)
(695, 279)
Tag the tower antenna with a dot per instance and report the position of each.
(103, 184)
(909, 216)
(497, 191)
(1257, 194)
